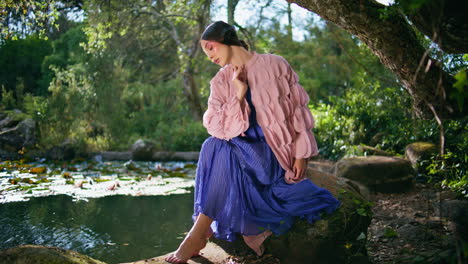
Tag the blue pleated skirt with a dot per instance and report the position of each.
(240, 185)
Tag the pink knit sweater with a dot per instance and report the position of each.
(280, 103)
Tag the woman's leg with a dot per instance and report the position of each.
(194, 241)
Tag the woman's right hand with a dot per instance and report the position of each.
(240, 81)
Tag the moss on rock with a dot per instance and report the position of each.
(36, 254)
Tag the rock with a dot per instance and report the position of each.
(142, 150)
(145, 150)
(418, 151)
(32, 254)
(11, 119)
(9, 155)
(211, 254)
(115, 155)
(64, 151)
(368, 150)
(377, 173)
(456, 211)
(177, 155)
(336, 238)
(22, 135)
(322, 165)
(412, 232)
(7, 122)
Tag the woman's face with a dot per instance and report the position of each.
(217, 53)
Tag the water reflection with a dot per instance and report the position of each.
(113, 229)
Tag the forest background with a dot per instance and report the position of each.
(102, 74)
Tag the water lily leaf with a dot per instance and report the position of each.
(14, 181)
(27, 180)
(100, 180)
(190, 166)
(69, 182)
(37, 170)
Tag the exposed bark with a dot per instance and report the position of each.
(231, 9)
(394, 41)
(289, 26)
(191, 89)
(191, 92)
(445, 22)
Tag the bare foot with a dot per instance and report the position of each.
(189, 248)
(255, 242)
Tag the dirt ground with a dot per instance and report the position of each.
(406, 228)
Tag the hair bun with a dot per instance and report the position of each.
(244, 44)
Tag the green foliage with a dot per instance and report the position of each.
(66, 50)
(364, 207)
(368, 114)
(324, 61)
(64, 114)
(451, 169)
(8, 100)
(461, 92)
(390, 232)
(20, 66)
(161, 113)
(34, 16)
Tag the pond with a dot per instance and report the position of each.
(112, 229)
(145, 215)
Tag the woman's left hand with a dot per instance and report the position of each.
(239, 79)
(299, 168)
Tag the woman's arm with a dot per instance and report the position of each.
(227, 116)
(305, 145)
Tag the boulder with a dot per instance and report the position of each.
(142, 150)
(337, 238)
(7, 122)
(418, 151)
(22, 135)
(368, 150)
(176, 155)
(35, 254)
(457, 212)
(322, 165)
(65, 151)
(113, 155)
(211, 254)
(377, 173)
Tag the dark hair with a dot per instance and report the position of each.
(224, 33)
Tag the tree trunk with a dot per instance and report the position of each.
(394, 41)
(289, 22)
(231, 9)
(191, 92)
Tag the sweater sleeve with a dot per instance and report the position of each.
(305, 145)
(226, 117)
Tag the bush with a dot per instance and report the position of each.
(451, 169)
(369, 114)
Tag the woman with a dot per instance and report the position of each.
(250, 174)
